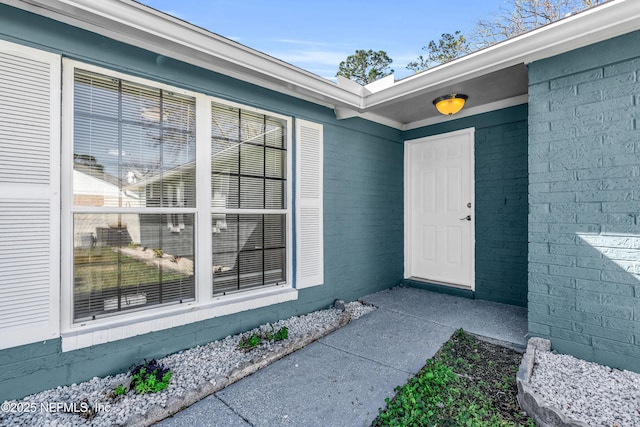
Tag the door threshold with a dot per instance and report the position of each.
(437, 282)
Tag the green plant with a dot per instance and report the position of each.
(157, 252)
(248, 342)
(133, 245)
(120, 390)
(281, 334)
(150, 377)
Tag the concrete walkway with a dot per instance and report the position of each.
(343, 378)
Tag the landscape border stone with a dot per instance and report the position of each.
(543, 414)
(177, 403)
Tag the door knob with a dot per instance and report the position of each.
(466, 218)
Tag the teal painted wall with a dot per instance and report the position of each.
(501, 202)
(363, 210)
(584, 221)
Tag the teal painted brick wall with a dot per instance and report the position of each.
(501, 201)
(363, 210)
(584, 175)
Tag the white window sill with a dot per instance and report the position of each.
(114, 329)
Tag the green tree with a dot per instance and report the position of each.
(448, 48)
(365, 66)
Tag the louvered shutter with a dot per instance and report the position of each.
(29, 195)
(309, 191)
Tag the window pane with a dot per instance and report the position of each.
(276, 133)
(251, 159)
(275, 163)
(130, 261)
(252, 128)
(251, 193)
(248, 159)
(274, 231)
(274, 261)
(134, 145)
(248, 251)
(274, 194)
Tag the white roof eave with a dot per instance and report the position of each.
(139, 25)
(133, 23)
(601, 23)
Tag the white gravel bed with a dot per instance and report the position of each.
(587, 392)
(189, 368)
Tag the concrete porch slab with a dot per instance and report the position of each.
(500, 322)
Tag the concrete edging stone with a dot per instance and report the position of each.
(535, 407)
(177, 403)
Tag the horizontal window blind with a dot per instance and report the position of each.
(248, 167)
(114, 273)
(134, 146)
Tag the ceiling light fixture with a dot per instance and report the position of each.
(450, 104)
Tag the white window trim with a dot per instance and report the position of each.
(205, 306)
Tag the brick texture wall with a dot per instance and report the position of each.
(584, 202)
(501, 213)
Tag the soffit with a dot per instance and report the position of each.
(485, 89)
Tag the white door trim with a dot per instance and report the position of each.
(470, 132)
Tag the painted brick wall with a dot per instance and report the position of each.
(501, 213)
(501, 202)
(584, 202)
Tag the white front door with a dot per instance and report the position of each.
(439, 209)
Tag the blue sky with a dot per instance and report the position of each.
(316, 36)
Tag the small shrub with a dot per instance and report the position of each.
(281, 334)
(150, 377)
(120, 390)
(157, 252)
(248, 342)
(133, 245)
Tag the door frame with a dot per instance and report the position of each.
(470, 133)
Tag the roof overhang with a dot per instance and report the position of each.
(133, 23)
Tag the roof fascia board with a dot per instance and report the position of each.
(603, 22)
(133, 23)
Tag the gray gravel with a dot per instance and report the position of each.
(189, 369)
(587, 392)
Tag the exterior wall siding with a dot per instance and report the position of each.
(363, 210)
(584, 204)
(501, 203)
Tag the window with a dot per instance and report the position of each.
(248, 175)
(175, 199)
(134, 151)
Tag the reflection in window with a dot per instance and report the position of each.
(130, 261)
(134, 146)
(133, 149)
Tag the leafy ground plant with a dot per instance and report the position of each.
(469, 382)
(120, 390)
(249, 342)
(150, 377)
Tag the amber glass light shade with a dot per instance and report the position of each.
(450, 104)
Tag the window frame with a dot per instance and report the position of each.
(206, 305)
